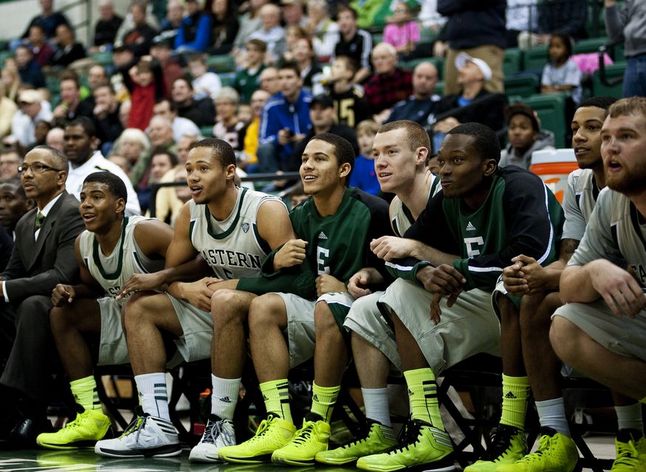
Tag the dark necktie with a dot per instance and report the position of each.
(39, 221)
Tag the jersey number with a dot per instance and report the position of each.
(322, 259)
(473, 245)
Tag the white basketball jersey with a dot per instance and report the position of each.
(113, 270)
(579, 200)
(400, 217)
(232, 247)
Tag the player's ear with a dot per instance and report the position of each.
(489, 167)
(120, 205)
(344, 170)
(230, 171)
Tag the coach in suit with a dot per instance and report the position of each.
(42, 257)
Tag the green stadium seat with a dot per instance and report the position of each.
(103, 58)
(221, 63)
(589, 45)
(551, 111)
(206, 131)
(535, 59)
(439, 88)
(524, 85)
(227, 78)
(513, 61)
(438, 62)
(613, 71)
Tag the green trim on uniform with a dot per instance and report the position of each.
(232, 226)
(97, 258)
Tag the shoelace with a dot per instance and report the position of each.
(543, 445)
(410, 437)
(359, 441)
(304, 434)
(136, 425)
(627, 454)
(500, 442)
(212, 431)
(262, 429)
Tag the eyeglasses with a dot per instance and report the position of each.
(36, 168)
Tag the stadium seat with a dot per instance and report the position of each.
(206, 131)
(589, 45)
(551, 111)
(227, 78)
(513, 61)
(535, 59)
(523, 85)
(613, 72)
(221, 63)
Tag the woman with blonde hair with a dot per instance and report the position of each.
(11, 79)
(7, 109)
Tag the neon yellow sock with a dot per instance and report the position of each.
(515, 392)
(643, 400)
(276, 396)
(85, 393)
(323, 400)
(422, 395)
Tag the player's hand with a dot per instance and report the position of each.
(139, 282)
(443, 279)
(326, 284)
(436, 311)
(359, 282)
(392, 247)
(63, 294)
(514, 278)
(535, 274)
(197, 293)
(621, 292)
(291, 254)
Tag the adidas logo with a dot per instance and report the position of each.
(315, 397)
(410, 392)
(510, 395)
(264, 397)
(470, 227)
(322, 235)
(225, 400)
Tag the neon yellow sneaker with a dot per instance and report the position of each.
(425, 446)
(631, 452)
(272, 433)
(311, 439)
(508, 444)
(380, 438)
(87, 428)
(556, 453)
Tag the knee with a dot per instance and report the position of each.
(58, 319)
(227, 306)
(564, 337)
(138, 310)
(34, 312)
(324, 322)
(263, 312)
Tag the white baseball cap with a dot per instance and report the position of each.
(462, 58)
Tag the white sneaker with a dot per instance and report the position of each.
(146, 436)
(217, 433)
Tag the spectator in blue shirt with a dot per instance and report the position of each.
(194, 34)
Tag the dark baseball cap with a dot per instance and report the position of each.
(324, 100)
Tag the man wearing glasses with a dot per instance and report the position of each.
(42, 257)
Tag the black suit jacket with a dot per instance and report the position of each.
(36, 266)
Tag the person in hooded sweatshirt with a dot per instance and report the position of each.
(524, 136)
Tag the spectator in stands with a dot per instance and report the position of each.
(55, 139)
(140, 37)
(292, 34)
(402, 30)
(173, 20)
(123, 56)
(474, 103)
(206, 84)
(160, 134)
(68, 49)
(628, 23)
(269, 80)
(13, 202)
(40, 48)
(293, 14)
(599, 331)
(521, 21)
(311, 72)
(10, 160)
(181, 126)
(285, 120)
(249, 23)
(80, 149)
(524, 136)
(247, 78)
(364, 175)
(8, 109)
(42, 257)
(228, 126)
(429, 16)
(71, 106)
(32, 108)
(225, 26)
(161, 163)
(349, 100)
(40, 134)
(249, 159)
(538, 287)
(122, 162)
(124, 113)
(11, 79)
(566, 17)
(389, 84)
(323, 30)
(353, 42)
(323, 118)
(145, 84)
(477, 29)
(561, 74)
(270, 32)
(422, 104)
(49, 19)
(200, 112)
(96, 76)
(134, 145)
(106, 117)
(106, 27)
(29, 70)
(194, 33)
(161, 50)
